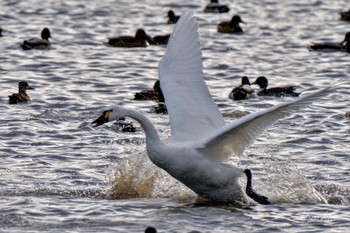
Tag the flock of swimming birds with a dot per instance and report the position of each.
(201, 142)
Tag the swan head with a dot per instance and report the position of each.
(112, 114)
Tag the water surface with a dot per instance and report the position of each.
(58, 174)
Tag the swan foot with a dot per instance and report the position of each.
(251, 193)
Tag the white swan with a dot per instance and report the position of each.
(201, 142)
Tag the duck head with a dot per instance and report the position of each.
(236, 19)
(261, 82)
(45, 34)
(245, 81)
(141, 34)
(171, 14)
(23, 86)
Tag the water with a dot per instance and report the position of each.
(58, 174)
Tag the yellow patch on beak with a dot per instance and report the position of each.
(107, 114)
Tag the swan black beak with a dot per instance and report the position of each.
(251, 193)
(104, 118)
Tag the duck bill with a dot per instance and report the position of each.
(104, 118)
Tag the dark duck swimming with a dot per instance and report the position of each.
(21, 96)
(345, 15)
(342, 46)
(231, 26)
(156, 95)
(139, 40)
(172, 18)
(158, 40)
(215, 7)
(38, 43)
(243, 91)
(262, 82)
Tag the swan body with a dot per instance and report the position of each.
(201, 142)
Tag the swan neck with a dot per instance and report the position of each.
(152, 135)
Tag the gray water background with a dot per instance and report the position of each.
(58, 174)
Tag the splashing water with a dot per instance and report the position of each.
(137, 177)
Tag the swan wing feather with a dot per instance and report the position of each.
(235, 137)
(193, 113)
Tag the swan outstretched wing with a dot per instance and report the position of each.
(192, 111)
(235, 137)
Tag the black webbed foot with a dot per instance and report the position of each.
(251, 193)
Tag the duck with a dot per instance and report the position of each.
(21, 96)
(158, 40)
(156, 94)
(38, 43)
(201, 141)
(0, 31)
(262, 82)
(347, 114)
(345, 15)
(172, 18)
(243, 91)
(139, 40)
(161, 108)
(124, 126)
(231, 26)
(150, 230)
(342, 46)
(215, 7)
